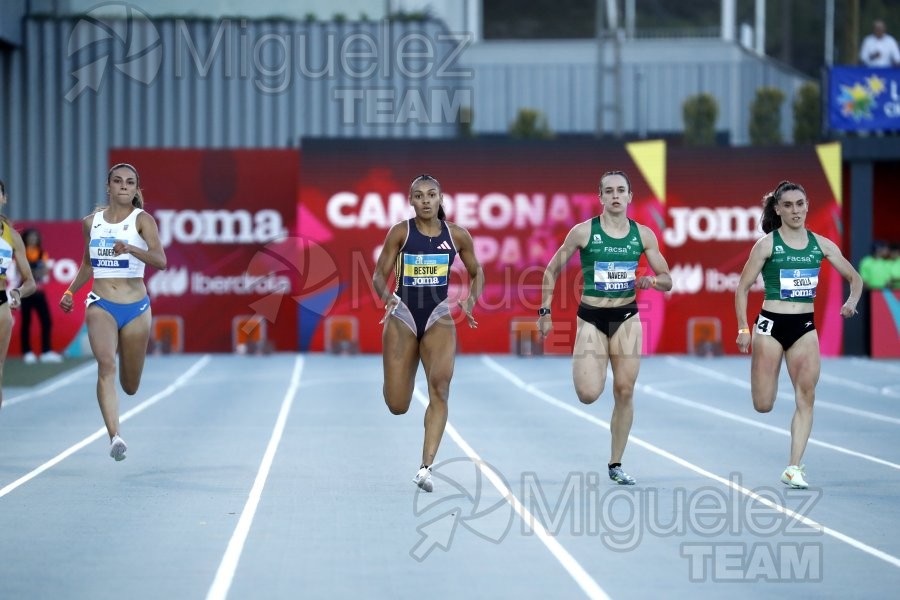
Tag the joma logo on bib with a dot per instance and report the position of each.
(218, 226)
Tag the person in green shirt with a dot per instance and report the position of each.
(608, 328)
(877, 269)
(789, 257)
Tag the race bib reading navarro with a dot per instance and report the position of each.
(614, 276)
(425, 269)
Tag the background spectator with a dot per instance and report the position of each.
(37, 302)
(879, 49)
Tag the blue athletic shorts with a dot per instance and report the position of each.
(122, 313)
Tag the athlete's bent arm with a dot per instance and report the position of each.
(833, 254)
(761, 251)
(154, 255)
(575, 239)
(465, 249)
(27, 285)
(85, 271)
(662, 280)
(386, 259)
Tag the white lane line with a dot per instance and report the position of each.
(784, 395)
(225, 573)
(879, 364)
(553, 401)
(746, 421)
(590, 587)
(52, 386)
(861, 387)
(169, 390)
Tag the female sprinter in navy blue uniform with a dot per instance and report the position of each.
(789, 257)
(417, 321)
(119, 240)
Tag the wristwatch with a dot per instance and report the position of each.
(543, 312)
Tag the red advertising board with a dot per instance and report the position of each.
(885, 323)
(63, 243)
(518, 200)
(245, 241)
(225, 218)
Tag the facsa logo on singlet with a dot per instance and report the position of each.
(219, 226)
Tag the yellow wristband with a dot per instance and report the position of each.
(653, 282)
(67, 293)
(743, 330)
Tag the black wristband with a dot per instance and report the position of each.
(543, 312)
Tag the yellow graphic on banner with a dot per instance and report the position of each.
(830, 157)
(650, 158)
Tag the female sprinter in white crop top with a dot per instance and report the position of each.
(119, 239)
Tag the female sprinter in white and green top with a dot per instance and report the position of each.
(119, 239)
(417, 321)
(789, 257)
(608, 329)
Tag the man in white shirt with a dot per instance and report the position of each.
(880, 48)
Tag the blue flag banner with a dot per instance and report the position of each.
(864, 99)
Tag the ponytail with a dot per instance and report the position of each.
(770, 220)
(441, 214)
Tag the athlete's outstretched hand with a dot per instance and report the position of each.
(545, 324)
(389, 308)
(467, 305)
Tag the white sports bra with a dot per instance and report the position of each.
(104, 236)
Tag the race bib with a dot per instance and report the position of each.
(614, 276)
(764, 325)
(425, 270)
(102, 255)
(798, 283)
(5, 259)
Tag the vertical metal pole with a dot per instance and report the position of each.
(760, 33)
(829, 33)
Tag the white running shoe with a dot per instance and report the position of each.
(29, 358)
(423, 479)
(117, 448)
(51, 357)
(794, 477)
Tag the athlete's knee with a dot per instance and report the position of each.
(130, 387)
(396, 404)
(763, 403)
(439, 388)
(396, 409)
(588, 394)
(106, 366)
(623, 392)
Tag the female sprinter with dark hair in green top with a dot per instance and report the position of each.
(608, 329)
(789, 257)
